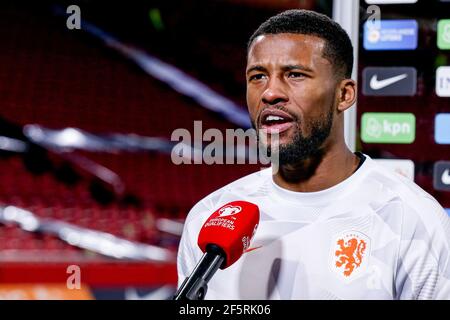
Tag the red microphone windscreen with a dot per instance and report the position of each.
(231, 228)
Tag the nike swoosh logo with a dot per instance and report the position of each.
(376, 84)
(446, 177)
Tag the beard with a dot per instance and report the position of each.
(303, 147)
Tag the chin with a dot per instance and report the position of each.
(283, 143)
(284, 139)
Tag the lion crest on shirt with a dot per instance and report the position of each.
(350, 251)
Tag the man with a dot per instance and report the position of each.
(334, 224)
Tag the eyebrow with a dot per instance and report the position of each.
(290, 67)
(256, 68)
(285, 68)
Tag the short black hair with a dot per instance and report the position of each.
(338, 47)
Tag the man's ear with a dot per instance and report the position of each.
(347, 94)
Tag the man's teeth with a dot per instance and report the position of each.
(274, 118)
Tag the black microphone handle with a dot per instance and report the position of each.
(195, 286)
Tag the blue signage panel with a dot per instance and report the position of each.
(442, 128)
(390, 35)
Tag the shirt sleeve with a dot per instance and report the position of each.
(423, 267)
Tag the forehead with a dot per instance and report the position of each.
(287, 48)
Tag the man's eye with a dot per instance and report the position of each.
(296, 75)
(258, 76)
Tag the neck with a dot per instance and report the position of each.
(323, 170)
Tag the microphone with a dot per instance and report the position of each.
(223, 239)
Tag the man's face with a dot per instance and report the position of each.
(291, 89)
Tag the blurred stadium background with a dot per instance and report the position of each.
(86, 119)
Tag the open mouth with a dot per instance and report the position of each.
(275, 121)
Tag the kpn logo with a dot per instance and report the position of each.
(379, 127)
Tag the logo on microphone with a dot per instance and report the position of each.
(222, 219)
(229, 210)
(245, 243)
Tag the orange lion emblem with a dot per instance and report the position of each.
(350, 254)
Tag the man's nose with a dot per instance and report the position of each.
(274, 93)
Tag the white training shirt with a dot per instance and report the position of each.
(375, 235)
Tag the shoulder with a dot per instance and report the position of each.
(419, 222)
(417, 206)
